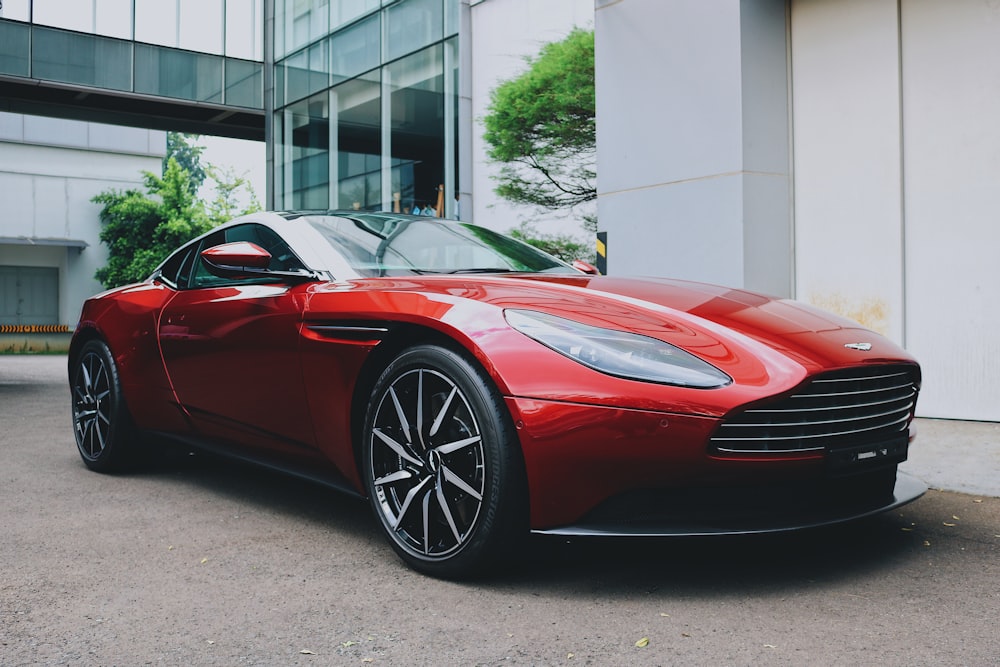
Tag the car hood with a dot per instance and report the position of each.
(708, 320)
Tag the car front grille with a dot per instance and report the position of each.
(841, 409)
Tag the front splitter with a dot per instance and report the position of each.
(906, 490)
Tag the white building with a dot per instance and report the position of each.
(841, 152)
(49, 245)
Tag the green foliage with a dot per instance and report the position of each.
(181, 147)
(541, 127)
(563, 246)
(142, 229)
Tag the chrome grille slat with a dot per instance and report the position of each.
(845, 408)
(910, 395)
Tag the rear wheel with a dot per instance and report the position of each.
(442, 464)
(101, 422)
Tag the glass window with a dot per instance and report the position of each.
(172, 73)
(357, 49)
(14, 48)
(300, 22)
(417, 131)
(306, 151)
(359, 143)
(451, 17)
(307, 72)
(244, 81)
(346, 11)
(412, 24)
(84, 59)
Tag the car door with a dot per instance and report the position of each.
(231, 350)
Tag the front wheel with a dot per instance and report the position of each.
(101, 421)
(442, 464)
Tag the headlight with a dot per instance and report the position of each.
(618, 353)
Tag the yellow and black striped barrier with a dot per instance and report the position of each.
(602, 253)
(33, 328)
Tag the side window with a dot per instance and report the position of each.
(282, 257)
(170, 272)
(200, 277)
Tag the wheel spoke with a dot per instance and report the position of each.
(398, 448)
(410, 495)
(403, 422)
(394, 477)
(427, 522)
(443, 502)
(450, 447)
(420, 408)
(460, 483)
(442, 412)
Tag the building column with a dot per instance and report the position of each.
(693, 140)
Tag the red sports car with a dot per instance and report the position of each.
(474, 388)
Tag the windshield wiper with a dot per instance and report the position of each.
(485, 269)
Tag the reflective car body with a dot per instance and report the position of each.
(780, 416)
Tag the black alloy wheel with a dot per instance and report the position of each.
(442, 464)
(101, 422)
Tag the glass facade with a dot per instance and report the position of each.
(362, 99)
(199, 50)
(366, 102)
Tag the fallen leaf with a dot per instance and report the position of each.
(906, 529)
(348, 643)
(955, 517)
(684, 634)
(978, 500)
(950, 525)
(664, 615)
(642, 643)
(204, 560)
(770, 646)
(368, 660)
(306, 651)
(209, 641)
(570, 656)
(927, 543)
(170, 548)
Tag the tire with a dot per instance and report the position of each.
(442, 464)
(105, 435)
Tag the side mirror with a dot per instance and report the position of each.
(236, 260)
(242, 259)
(585, 267)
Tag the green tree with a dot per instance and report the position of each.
(141, 229)
(540, 127)
(182, 147)
(563, 246)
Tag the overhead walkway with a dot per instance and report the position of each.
(53, 72)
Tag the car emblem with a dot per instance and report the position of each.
(864, 347)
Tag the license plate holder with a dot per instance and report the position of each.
(869, 456)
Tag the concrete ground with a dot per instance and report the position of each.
(201, 562)
(957, 456)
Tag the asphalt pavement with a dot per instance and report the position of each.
(201, 562)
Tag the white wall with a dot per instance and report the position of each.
(504, 32)
(49, 170)
(951, 130)
(848, 222)
(692, 140)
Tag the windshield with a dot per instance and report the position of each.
(392, 245)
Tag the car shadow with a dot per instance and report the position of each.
(722, 565)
